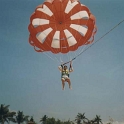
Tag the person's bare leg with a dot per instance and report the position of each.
(69, 83)
(63, 84)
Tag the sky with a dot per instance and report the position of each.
(30, 81)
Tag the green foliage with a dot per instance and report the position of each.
(44, 119)
(6, 115)
(20, 117)
(97, 120)
(80, 117)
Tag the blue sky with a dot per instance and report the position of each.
(30, 81)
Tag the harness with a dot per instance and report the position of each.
(65, 72)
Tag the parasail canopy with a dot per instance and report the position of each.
(61, 26)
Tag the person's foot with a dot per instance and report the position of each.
(63, 88)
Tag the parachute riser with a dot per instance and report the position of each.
(69, 61)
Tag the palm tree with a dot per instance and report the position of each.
(44, 119)
(51, 121)
(6, 115)
(20, 117)
(97, 120)
(32, 119)
(80, 117)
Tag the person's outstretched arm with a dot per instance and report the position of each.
(60, 67)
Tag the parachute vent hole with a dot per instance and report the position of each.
(60, 22)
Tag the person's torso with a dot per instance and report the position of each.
(65, 72)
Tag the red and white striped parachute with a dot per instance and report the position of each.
(61, 26)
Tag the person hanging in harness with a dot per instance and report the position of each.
(65, 74)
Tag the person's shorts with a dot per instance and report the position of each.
(64, 77)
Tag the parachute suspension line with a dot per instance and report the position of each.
(47, 54)
(70, 56)
(99, 39)
(57, 60)
(61, 60)
(50, 57)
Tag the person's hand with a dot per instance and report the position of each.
(70, 62)
(61, 65)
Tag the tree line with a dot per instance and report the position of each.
(18, 117)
